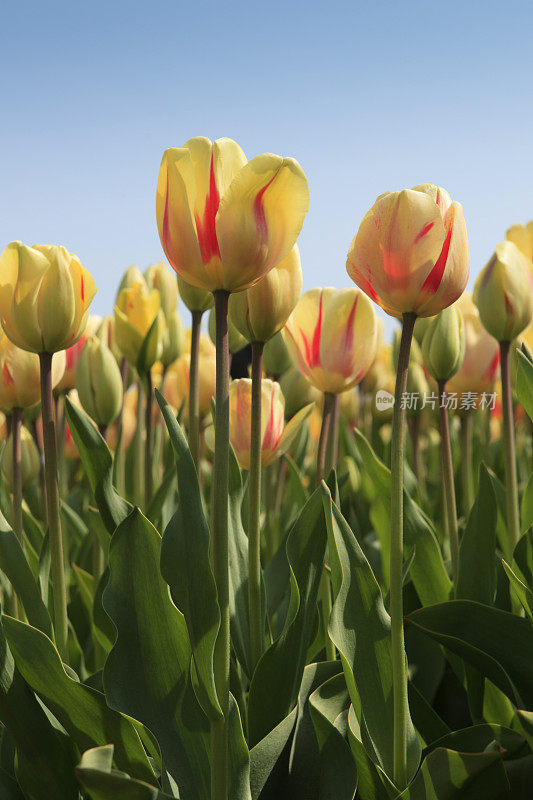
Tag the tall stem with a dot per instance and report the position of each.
(327, 413)
(324, 455)
(120, 455)
(219, 548)
(52, 496)
(332, 448)
(399, 676)
(138, 472)
(448, 482)
(467, 493)
(16, 425)
(148, 448)
(511, 483)
(194, 396)
(254, 501)
(42, 487)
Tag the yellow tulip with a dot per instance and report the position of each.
(479, 368)
(411, 251)
(30, 459)
(225, 222)
(158, 277)
(136, 311)
(332, 337)
(20, 381)
(261, 311)
(194, 298)
(45, 295)
(522, 237)
(99, 382)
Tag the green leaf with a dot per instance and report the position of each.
(477, 568)
(238, 568)
(523, 593)
(152, 649)
(277, 677)
(524, 379)
(526, 514)
(479, 738)
(265, 756)
(372, 782)
(448, 775)
(186, 543)
(82, 711)
(338, 774)
(98, 465)
(525, 721)
(428, 572)
(497, 643)
(95, 775)
(360, 629)
(523, 556)
(9, 788)
(15, 566)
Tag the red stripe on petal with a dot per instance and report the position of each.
(7, 377)
(315, 347)
(205, 227)
(259, 211)
(490, 374)
(425, 230)
(367, 288)
(433, 280)
(348, 334)
(82, 289)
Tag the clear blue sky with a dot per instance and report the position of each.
(367, 96)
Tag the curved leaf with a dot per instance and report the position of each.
(449, 775)
(94, 774)
(477, 567)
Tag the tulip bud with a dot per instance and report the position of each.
(106, 332)
(421, 326)
(195, 299)
(223, 222)
(132, 275)
(20, 375)
(522, 237)
(479, 367)
(99, 382)
(30, 459)
(173, 338)
(504, 293)
(68, 381)
(45, 295)
(443, 346)
(410, 254)
(158, 277)
(139, 326)
(332, 337)
(261, 311)
(276, 357)
(297, 391)
(236, 340)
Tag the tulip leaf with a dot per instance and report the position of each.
(525, 721)
(477, 567)
(95, 776)
(265, 757)
(527, 505)
(449, 775)
(98, 465)
(524, 379)
(44, 757)
(238, 568)
(14, 565)
(523, 556)
(9, 788)
(372, 782)
(186, 568)
(428, 572)
(479, 738)
(152, 648)
(495, 642)
(523, 593)
(360, 629)
(277, 677)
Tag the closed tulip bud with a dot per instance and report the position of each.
(176, 387)
(132, 275)
(479, 367)
(276, 437)
(297, 391)
(159, 277)
(225, 222)
(421, 326)
(276, 357)
(194, 298)
(522, 237)
(106, 332)
(411, 254)
(99, 382)
(504, 293)
(20, 376)
(139, 326)
(68, 381)
(30, 459)
(332, 337)
(173, 337)
(45, 295)
(235, 339)
(443, 346)
(261, 311)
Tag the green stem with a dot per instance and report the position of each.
(120, 455)
(418, 463)
(327, 413)
(511, 482)
(194, 383)
(52, 496)
(448, 482)
(149, 444)
(42, 487)
(399, 675)
(324, 455)
(138, 472)
(219, 547)
(332, 448)
(254, 502)
(16, 425)
(467, 422)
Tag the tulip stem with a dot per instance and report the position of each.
(467, 422)
(324, 456)
(120, 455)
(138, 472)
(332, 449)
(511, 483)
(399, 674)
(327, 413)
(149, 446)
(194, 395)
(448, 482)
(219, 549)
(254, 503)
(52, 498)
(16, 425)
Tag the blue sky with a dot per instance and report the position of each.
(368, 96)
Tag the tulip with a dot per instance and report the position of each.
(261, 311)
(225, 222)
(522, 237)
(194, 298)
(68, 381)
(479, 367)
(45, 295)
(20, 375)
(276, 357)
(99, 383)
(106, 332)
(444, 343)
(132, 275)
(410, 254)
(158, 277)
(139, 325)
(30, 460)
(176, 389)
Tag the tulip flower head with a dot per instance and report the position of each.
(444, 343)
(159, 277)
(410, 253)
(99, 382)
(225, 222)
(522, 237)
(45, 295)
(139, 325)
(20, 375)
(194, 298)
(479, 367)
(332, 337)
